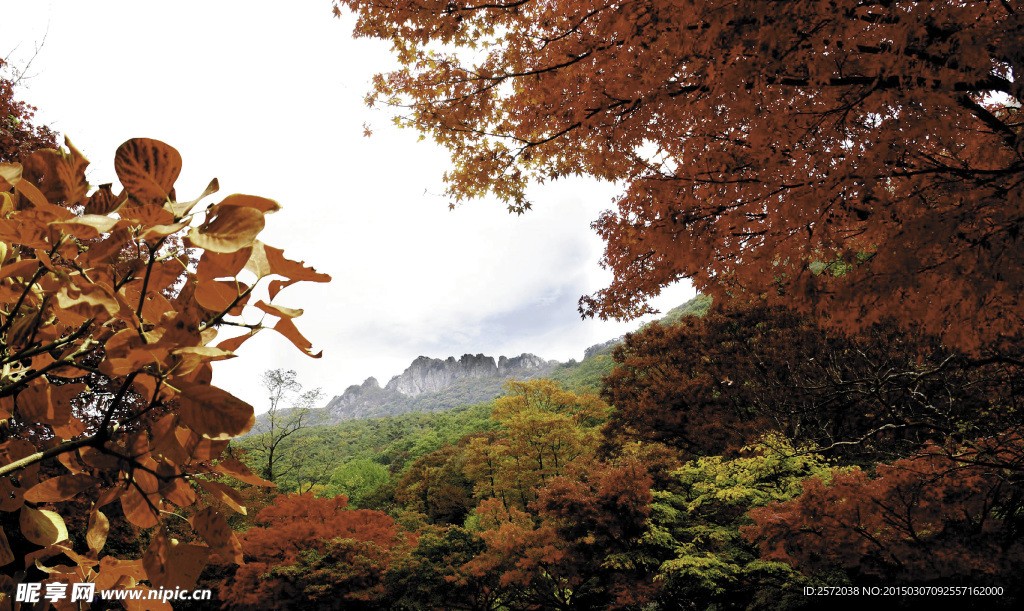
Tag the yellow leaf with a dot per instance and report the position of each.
(96, 536)
(228, 228)
(207, 353)
(88, 300)
(258, 263)
(180, 209)
(277, 310)
(42, 527)
(87, 226)
(10, 175)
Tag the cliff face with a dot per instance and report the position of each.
(432, 375)
(361, 401)
(433, 384)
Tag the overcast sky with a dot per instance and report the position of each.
(268, 98)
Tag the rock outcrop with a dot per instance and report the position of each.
(432, 375)
(436, 384)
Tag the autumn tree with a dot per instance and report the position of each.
(710, 386)
(439, 574)
(544, 431)
(91, 299)
(933, 518)
(854, 159)
(437, 486)
(18, 135)
(289, 413)
(315, 552)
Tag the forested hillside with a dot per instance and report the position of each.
(312, 456)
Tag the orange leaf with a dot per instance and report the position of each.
(217, 295)
(213, 265)
(46, 403)
(142, 601)
(147, 168)
(170, 564)
(214, 413)
(198, 447)
(262, 204)
(60, 488)
(295, 270)
(6, 554)
(20, 269)
(242, 473)
(228, 228)
(103, 201)
(225, 494)
(232, 344)
(137, 508)
(286, 328)
(180, 493)
(215, 530)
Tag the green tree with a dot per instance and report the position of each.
(281, 422)
(356, 479)
(694, 533)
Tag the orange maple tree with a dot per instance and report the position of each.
(852, 158)
(924, 519)
(108, 329)
(307, 552)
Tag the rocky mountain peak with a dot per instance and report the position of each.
(431, 375)
(471, 378)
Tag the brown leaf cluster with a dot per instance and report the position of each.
(108, 329)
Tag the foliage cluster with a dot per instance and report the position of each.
(19, 136)
(112, 306)
(846, 158)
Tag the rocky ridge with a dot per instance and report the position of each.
(430, 384)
